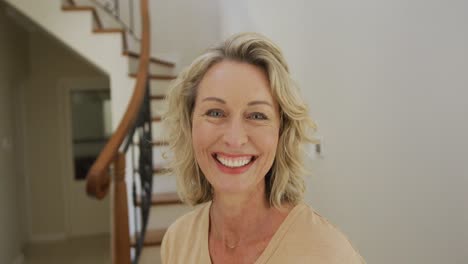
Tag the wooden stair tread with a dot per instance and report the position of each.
(156, 143)
(156, 76)
(160, 170)
(152, 59)
(74, 7)
(78, 8)
(108, 30)
(153, 237)
(159, 143)
(162, 199)
(166, 198)
(158, 97)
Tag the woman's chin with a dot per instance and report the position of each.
(235, 188)
(229, 190)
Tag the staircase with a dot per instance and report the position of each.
(139, 82)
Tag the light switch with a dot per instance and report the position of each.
(315, 151)
(7, 144)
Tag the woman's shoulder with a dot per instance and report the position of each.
(189, 225)
(185, 238)
(192, 220)
(317, 232)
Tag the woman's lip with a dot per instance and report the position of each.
(233, 155)
(229, 170)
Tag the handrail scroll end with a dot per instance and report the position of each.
(98, 183)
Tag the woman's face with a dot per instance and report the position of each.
(235, 127)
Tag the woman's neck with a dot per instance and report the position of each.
(241, 218)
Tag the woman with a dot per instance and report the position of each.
(236, 124)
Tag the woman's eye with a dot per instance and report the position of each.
(214, 113)
(258, 116)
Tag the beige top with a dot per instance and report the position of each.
(303, 237)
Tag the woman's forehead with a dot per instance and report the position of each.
(232, 79)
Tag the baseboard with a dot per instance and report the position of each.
(44, 238)
(82, 235)
(19, 259)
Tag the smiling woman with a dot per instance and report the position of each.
(237, 125)
(235, 129)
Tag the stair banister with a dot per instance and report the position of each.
(98, 179)
(99, 176)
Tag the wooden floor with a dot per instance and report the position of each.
(90, 250)
(85, 250)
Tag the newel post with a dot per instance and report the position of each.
(120, 227)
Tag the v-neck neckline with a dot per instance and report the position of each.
(270, 248)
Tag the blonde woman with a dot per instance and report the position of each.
(237, 124)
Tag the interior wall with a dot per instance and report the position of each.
(386, 82)
(181, 30)
(50, 64)
(13, 69)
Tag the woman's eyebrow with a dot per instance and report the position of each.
(259, 102)
(214, 99)
(219, 100)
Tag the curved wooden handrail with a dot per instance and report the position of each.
(98, 179)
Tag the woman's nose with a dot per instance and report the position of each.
(235, 134)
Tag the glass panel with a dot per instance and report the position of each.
(89, 117)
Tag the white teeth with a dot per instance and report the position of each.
(233, 162)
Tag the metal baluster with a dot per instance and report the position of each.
(117, 8)
(134, 188)
(132, 23)
(113, 9)
(145, 168)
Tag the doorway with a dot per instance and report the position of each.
(86, 124)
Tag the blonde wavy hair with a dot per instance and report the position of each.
(284, 182)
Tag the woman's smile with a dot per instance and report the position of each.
(233, 164)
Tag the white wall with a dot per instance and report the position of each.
(53, 208)
(182, 29)
(13, 67)
(386, 82)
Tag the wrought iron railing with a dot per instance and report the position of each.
(140, 143)
(123, 14)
